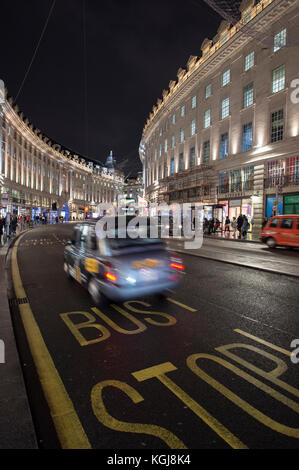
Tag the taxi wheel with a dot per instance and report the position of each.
(271, 243)
(66, 267)
(98, 298)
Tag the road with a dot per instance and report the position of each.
(209, 368)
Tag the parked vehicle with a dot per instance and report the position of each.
(120, 268)
(282, 230)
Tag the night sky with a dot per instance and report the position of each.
(134, 48)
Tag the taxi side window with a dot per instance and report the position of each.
(83, 235)
(274, 223)
(76, 236)
(287, 224)
(91, 241)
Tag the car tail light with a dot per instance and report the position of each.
(176, 263)
(111, 277)
(109, 274)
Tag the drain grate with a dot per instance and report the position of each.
(16, 302)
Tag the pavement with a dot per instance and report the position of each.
(16, 424)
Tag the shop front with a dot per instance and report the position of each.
(291, 204)
(243, 206)
(272, 208)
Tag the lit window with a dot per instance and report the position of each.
(194, 102)
(249, 61)
(224, 145)
(208, 91)
(207, 119)
(160, 151)
(277, 126)
(192, 157)
(226, 77)
(172, 166)
(181, 162)
(166, 145)
(248, 95)
(206, 151)
(225, 108)
(193, 127)
(279, 78)
(247, 137)
(247, 16)
(280, 40)
(182, 135)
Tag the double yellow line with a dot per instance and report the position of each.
(66, 421)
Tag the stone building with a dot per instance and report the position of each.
(226, 132)
(39, 177)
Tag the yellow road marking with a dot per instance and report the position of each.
(99, 409)
(68, 426)
(262, 341)
(181, 305)
(159, 372)
(244, 405)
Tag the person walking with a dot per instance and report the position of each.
(240, 221)
(234, 226)
(245, 226)
(211, 225)
(227, 224)
(2, 226)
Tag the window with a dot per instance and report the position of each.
(247, 16)
(192, 157)
(280, 40)
(208, 91)
(172, 166)
(160, 150)
(181, 162)
(193, 127)
(156, 154)
(173, 119)
(247, 137)
(161, 132)
(194, 102)
(226, 77)
(274, 223)
(206, 151)
(224, 145)
(249, 61)
(248, 95)
(207, 119)
(225, 108)
(173, 141)
(182, 135)
(278, 79)
(277, 126)
(166, 145)
(183, 111)
(287, 223)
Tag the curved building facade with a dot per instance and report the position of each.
(38, 177)
(226, 132)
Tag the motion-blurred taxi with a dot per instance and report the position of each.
(282, 230)
(120, 269)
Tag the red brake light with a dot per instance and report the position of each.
(111, 277)
(179, 267)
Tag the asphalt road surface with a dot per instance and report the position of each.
(208, 368)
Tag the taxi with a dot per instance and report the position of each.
(282, 230)
(120, 269)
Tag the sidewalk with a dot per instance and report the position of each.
(16, 426)
(233, 238)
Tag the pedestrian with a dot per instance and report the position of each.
(205, 226)
(211, 225)
(217, 225)
(234, 226)
(240, 221)
(245, 226)
(1, 231)
(227, 224)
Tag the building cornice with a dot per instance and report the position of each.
(264, 13)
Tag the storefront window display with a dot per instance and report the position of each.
(271, 211)
(291, 204)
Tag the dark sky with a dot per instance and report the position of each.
(134, 49)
